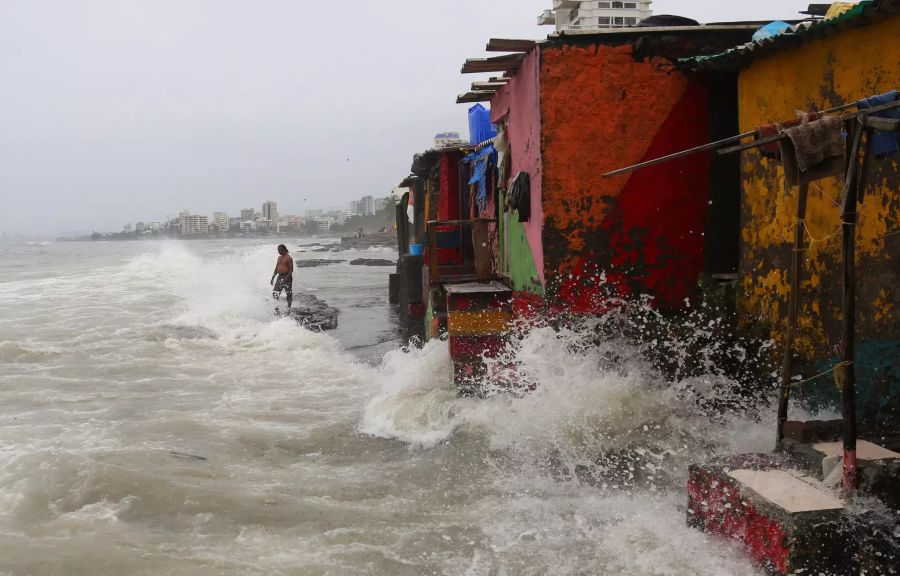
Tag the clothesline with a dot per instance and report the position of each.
(779, 137)
(715, 145)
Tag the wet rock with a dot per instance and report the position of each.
(311, 312)
(186, 456)
(381, 239)
(372, 262)
(316, 263)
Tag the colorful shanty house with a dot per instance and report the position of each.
(549, 234)
(820, 275)
(572, 108)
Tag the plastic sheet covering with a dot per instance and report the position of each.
(482, 161)
(480, 127)
(838, 9)
(771, 30)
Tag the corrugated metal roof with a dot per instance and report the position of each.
(866, 12)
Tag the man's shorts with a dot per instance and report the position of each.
(284, 282)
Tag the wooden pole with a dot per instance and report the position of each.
(787, 365)
(848, 306)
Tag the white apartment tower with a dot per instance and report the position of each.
(220, 221)
(270, 213)
(594, 15)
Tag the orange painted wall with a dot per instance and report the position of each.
(603, 109)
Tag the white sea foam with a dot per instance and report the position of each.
(162, 420)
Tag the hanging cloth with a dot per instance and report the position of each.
(519, 197)
(813, 150)
(482, 161)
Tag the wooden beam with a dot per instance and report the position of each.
(503, 79)
(509, 45)
(496, 64)
(485, 86)
(479, 96)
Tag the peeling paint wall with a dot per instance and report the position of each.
(640, 233)
(822, 73)
(519, 103)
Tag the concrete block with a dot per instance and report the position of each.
(785, 521)
(475, 347)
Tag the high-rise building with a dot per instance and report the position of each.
(323, 223)
(194, 225)
(592, 16)
(220, 221)
(367, 205)
(270, 213)
(248, 215)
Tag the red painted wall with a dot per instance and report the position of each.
(448, 207)
(632, 234)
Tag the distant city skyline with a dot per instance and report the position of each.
(267, 217)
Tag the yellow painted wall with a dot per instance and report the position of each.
(480, 323)
(821, 73)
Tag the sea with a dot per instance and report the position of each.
(157, 418)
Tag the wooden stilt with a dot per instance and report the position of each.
(793, 307)
(847, 368)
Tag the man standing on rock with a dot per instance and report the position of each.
(284, 270)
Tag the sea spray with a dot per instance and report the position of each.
(309, 461)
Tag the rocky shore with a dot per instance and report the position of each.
(311, 312)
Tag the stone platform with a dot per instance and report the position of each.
(791, 522)
(479, 314)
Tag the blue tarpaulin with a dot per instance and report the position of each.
(480, 127)
(481, 161)
(883, 143)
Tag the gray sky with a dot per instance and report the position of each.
(114, 111)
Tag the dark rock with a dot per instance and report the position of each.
(316, 263)
(372, 262)
(381, 239)
(186, 456)
(311, 312)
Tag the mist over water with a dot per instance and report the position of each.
(155, 418)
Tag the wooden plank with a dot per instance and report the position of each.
(495, 64)
(509, 45)
(883, 124)
(504, 79)
(487, 86)
(469, 97)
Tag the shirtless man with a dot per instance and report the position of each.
(284, 270)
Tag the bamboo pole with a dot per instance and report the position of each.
(778, 137)
(848, 307)
(787, 364)
(710, 146)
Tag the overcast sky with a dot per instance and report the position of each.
(115, 111)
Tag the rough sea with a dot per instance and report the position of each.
(156, 418)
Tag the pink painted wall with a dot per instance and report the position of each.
(520, 100)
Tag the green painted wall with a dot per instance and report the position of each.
(519, 264)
